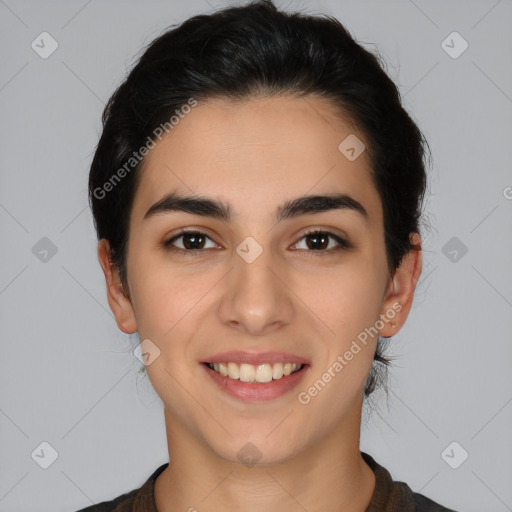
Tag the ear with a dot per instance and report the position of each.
(119, 303)
(400, 290)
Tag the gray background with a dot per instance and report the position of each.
(68, 375)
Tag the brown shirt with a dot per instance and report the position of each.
(388, 496)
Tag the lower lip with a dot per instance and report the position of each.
(258, 391)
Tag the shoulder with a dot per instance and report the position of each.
(123, 503)
(141, 498)
(393, 496)
(424, 504)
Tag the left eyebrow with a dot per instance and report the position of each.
(209, 207)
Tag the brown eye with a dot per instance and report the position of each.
(191, 241)
(323, 242)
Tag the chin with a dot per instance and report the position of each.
(257, 451)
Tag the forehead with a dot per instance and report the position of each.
(258, 152)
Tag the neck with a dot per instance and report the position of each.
(330, 475)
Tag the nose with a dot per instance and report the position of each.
(257, 300)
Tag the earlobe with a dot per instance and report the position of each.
(119, 302)
(400, 291)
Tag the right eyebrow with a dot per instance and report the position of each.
(210, 207)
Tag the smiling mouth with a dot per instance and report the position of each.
(261, 373)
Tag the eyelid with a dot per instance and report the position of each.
(341, 240)
(167, 243)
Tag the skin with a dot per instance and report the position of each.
(256, 155)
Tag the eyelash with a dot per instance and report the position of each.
(343, 244)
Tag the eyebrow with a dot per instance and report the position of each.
(206, 207)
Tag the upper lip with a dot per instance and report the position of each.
(255, 358)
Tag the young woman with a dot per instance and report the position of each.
(257, 193)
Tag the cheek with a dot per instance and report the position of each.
(163, 295)
(347, 299)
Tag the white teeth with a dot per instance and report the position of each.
(264, 373)
(233, 371)
(223, 369)
(249, 373)
(277, 371)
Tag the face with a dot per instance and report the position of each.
(266, 279)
